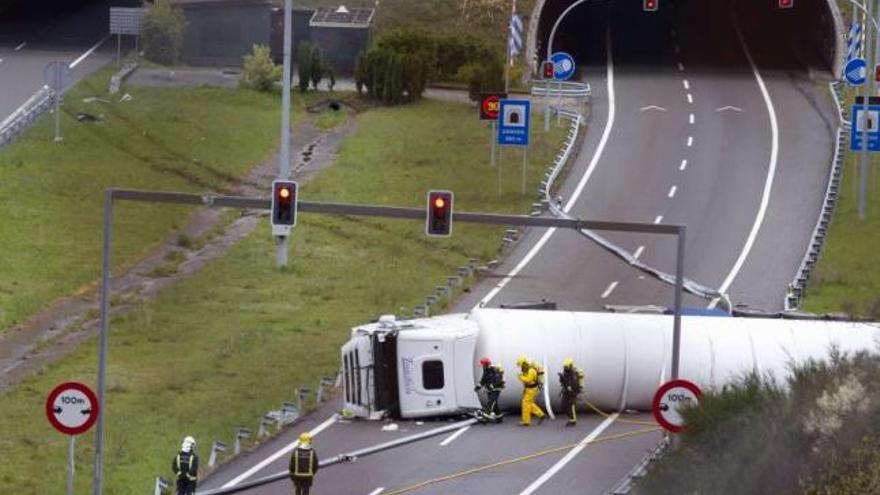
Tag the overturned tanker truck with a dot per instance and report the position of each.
(428, 367)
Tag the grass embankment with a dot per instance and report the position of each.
(51, 195)
(818, 436)
(220, 349)
(847, 277)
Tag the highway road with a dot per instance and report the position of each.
(701, 129)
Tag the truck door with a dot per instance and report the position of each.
(426, 382)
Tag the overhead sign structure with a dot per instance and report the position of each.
(72, 408)
(563, 66)
(860, 124)
(126, 20)
(670, 398)
(490, 105)
(856, 71)
(514, 123)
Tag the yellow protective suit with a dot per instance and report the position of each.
(529, 379)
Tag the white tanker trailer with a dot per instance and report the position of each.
(429, 367)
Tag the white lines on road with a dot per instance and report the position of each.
(1, 60)
(88, 52)
(377, 491)
(652, 107)
(690, 98)
(686, 84)
(278, 454)
(570, 455)
(19, 47)
(610, 289)
(690, 141)
(680, 67)
(639, 252)
(691, 119)
(455, 435)
(612, 109)
(729, 107)
(658, 219)
(672, 191)
(684, 164)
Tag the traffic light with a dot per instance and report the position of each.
(547, 69)
(653, 5)
(439, 215)
(283, 206)
(786, 4)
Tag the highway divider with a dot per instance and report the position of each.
(25, 115)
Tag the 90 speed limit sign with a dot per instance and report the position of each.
(670, 398)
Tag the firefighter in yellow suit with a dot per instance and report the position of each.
(529, 379)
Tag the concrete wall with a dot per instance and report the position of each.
(222, 35)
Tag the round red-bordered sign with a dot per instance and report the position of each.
(490, 106)
(72, 408)
(669, 398)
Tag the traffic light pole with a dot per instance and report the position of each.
(281, 242)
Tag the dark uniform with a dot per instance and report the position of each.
(570, 379)
(303, 466)
(186, 467)
(493, 381)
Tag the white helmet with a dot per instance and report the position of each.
(188, 443)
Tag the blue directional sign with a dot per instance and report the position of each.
(859, 124)
(563, 66)
(856, 71)
(513, 123)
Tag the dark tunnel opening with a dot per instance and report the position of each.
(57, 23)
(785, 39)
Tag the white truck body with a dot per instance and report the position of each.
(428, 367)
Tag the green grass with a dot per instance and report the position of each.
(51, 195)
(847, 277)
(220, 349)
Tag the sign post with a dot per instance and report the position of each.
(125, 21)
(490, 104)
(563, 70)
(670, 398)
(513, 130)
(72, 408)
(865, 121)
(58, 77)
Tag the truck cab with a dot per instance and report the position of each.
(410, 368)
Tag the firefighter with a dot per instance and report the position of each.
(529, 378)
(303, 465)
(570, 380)
(493, 381)
(186, 467)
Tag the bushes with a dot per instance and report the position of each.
(260, 72)
(162, 32)
(304, 65)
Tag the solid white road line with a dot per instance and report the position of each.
(283, 451)
(672, 191)
(19, 47)
(610, 289)
(690, 98)
(681, 67)
(1, 60)
(691, 118)
(377, 491)
(684, 164)
(570, 455)
(580, 187)
(771, 172)
(455, 435)
(639, 252)
(88, 52)
(686, 84)
(690, 141)
(658, 219)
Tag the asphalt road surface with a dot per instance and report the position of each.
(736, 150)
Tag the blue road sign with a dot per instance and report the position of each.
(856, 71)
(858, 126)
(513, 123)
(563, 66)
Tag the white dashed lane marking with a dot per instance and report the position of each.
(639, 252)
(684, 164)
(690, 98)
(609, 290)
(691, 118)
(687, 85)
(658, 219)
(672, 191)
(690, 141)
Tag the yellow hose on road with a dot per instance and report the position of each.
(475, 470)
(631, 421)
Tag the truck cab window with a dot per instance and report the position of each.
(432, 375)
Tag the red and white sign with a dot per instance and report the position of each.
(490, 104)
(72, 408)
(670, 398)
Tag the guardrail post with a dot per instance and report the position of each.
(216, 448)
(301, 396)
(240, 434)
(160, 486)
(265, 423)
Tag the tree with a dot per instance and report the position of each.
(317, 68)
(331, 76)
(260, 72)
(485, 78)
(304, 65)
(162, 32)
(360, 73)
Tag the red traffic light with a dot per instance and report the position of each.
(548, 70)
(284, 193)
(651, 5)
(786, 4)
(438, 218)
(283, 205)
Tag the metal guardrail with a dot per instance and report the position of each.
(25, 115)
(796, 289)
(639, 470)
(565, 89)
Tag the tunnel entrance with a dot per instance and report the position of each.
(807, 37)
